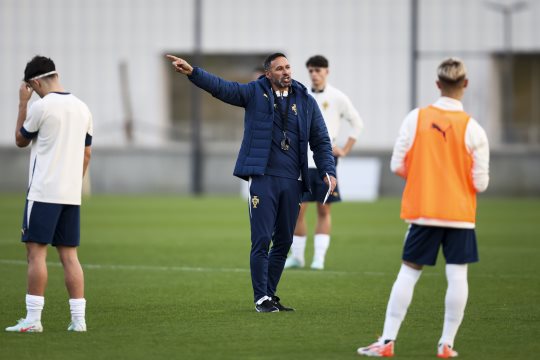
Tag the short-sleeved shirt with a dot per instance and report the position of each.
(60, 126)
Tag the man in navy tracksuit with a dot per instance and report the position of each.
(281, 118)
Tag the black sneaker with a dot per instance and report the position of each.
(275, 301)
(266, 306)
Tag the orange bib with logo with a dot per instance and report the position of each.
(439, 169)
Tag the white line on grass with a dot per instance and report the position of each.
(133, 267)
(240, 270)
(168, 268)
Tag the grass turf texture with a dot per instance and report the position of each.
(168, 278)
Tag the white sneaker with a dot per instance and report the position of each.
(317, 264)
(292, 263)
(77, 326)
(24, 326)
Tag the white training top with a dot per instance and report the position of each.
(61, 126)
(475, 140)
(335, 107)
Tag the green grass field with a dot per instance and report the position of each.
(167, 278)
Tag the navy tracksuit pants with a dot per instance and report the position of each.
(274, 203)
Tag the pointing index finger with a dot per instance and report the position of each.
(171, 57)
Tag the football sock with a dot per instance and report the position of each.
(455, 301)
(34, 306)
(322, 241)
(261, 300)
(78, 308)
(400, 299)
(298, 247)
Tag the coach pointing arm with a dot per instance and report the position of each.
(228, 91)
(240, 95)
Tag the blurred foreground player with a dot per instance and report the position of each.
(444, 156)
(59, 126)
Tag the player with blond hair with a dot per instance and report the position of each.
(443, 154)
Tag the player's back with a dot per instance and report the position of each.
(63, 123)
(439, 182)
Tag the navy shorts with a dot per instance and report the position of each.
(319, 189)
(55, 224)
(422, 245)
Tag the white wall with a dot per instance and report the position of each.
(87, 40)
(366, 41)
(471, 30)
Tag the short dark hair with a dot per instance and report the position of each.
(317, 61)
(270, 58)
(39, 65)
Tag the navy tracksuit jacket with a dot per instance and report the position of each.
(274, 198)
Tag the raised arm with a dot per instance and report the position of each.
(228, 91)
(22, 136)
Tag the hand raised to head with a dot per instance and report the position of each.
(25, 92)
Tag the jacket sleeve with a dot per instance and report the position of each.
(319, 142)
(227, 91)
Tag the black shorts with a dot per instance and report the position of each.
(54, 224)
(319, 189)
(422, 245)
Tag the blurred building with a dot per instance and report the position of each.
(369, 43)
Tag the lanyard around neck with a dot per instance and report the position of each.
(284, 114)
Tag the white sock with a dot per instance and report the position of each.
(34, 307)
(261, 300)
(455, 301)
(321, 241)
(78, 308)
(400, 299)
(298, 247)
